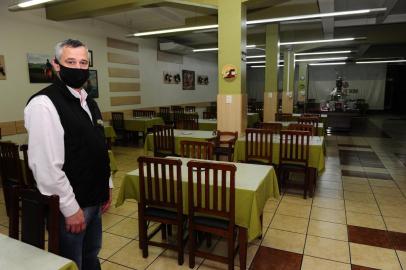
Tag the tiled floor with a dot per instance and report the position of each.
(356, 220)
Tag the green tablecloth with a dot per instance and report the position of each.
(316, 155)
(109, 132)
(255, 184)
(208, 124)
(252, 118)
(190, 135)
(142, 124)
(113, 162)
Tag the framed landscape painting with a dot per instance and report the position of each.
(92, 85)
(40, 68)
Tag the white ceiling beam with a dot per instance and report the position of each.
(326, 6)
(389, 4)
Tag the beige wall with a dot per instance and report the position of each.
(29, 32)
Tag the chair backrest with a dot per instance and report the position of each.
(38, 212)
(302, 127)
(29, 177)
(190, 108)
(143, 113)
(294, 146)
(258, 145)
(160, 183)
(274, 127)
(178, 108)
(164, 112)
(11, 172)
(225, 138)
(311, 115)
(194, 149)
(209, 115)
(164, 109)
(285, 117)
(164, 140)
(310, 121)
(188, 121)
(117, 120)
(209, 196)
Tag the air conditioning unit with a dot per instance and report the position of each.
(173, 47)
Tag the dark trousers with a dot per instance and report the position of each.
(83, 248)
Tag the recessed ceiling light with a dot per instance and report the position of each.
(328, 64)
(381, 61)
(316, 41)
(321, 53)
(321, 59)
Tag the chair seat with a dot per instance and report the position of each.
(291, 166)
(212, 222)
(223, 150)
(161, 213)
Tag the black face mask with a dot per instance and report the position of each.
(73, 77)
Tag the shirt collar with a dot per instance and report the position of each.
(82, 94)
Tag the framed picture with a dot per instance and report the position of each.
(202, 79)
(188, 80)
(2, 68)
(92, 86)
(40, 68)
(90, 58)
(171, 77)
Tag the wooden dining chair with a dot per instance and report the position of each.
(164, 141)
(117, 121)
(314, 121)
(188, 121)
(294, 157)
(11, 170)
(160, 185)
(190, 109)
(302, 127)
(310, 115)
(177, 108)
(36, 213)
(284, 117)
(194, 149)
(165, 114)
(209, 115)
(258, 146)
(211, 207)
(224, 143)
(29, 177)
(274, 127)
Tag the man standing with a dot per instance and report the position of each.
(68, 154)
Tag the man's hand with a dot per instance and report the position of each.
(76, 223)
(107, 204)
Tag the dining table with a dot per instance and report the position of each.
(180, 134)
(254, 185)
(142, 124)
(17, 255)
(109, 132)
(208, 124)
(285, 124)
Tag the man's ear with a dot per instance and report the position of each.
(55, 64)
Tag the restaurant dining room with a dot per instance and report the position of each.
(223, 134)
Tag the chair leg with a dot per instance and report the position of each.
(169, 228)
(192, 246)
(143, 238)
(208, 240)
(180, 242)
(230, 246)
(306, 185)
(163, 231)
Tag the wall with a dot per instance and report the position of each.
(29, 32)
(368, 79)
(256, 80)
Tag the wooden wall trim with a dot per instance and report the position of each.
(121, 44)
(122, 58)
(123, 73)
(124, 87)
(127, 100)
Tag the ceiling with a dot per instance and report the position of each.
(385, 34)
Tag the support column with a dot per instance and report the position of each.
(302, 83)
(232, 97)
(271, 72)
(288, 81)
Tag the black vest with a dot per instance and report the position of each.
(87, 163)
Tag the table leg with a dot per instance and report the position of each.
(312, 179)
(242, 241)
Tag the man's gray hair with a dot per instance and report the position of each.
(71, 43)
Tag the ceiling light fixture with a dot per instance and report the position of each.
(261, 66)
(316, 41)
(255, 56)
(382, 61)
(321, 53)
(26, 4)
(253, 46)
(318, 15)
(328, 64)
(321, 59)
(270, 20)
